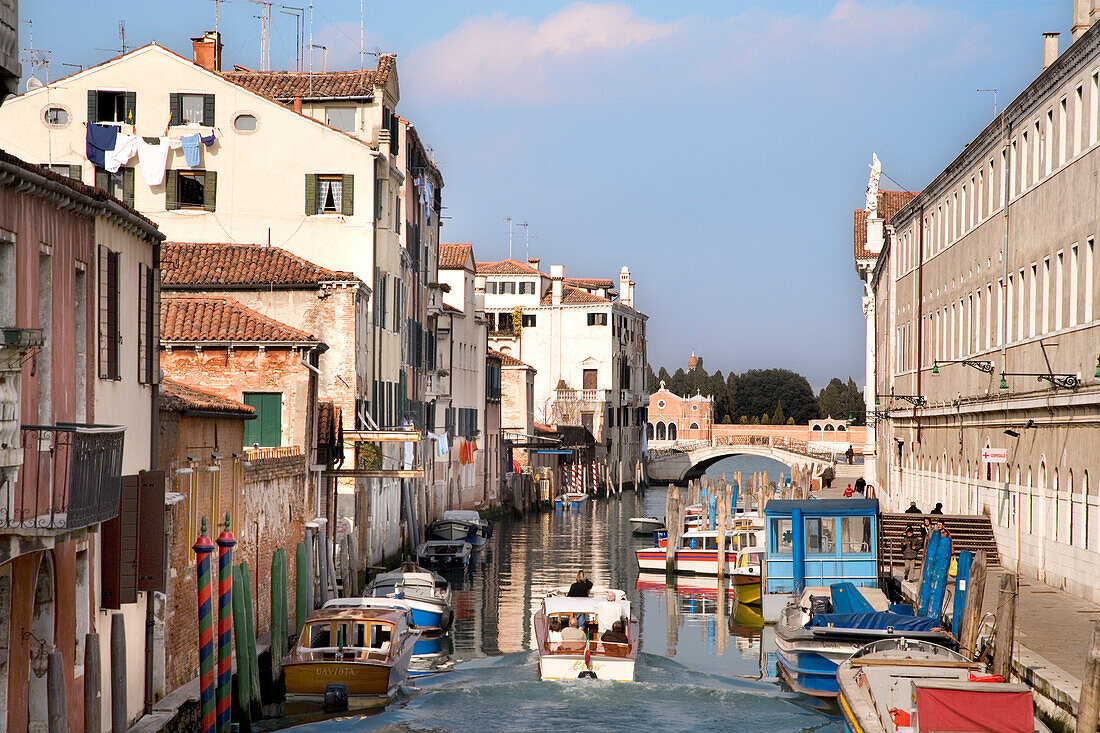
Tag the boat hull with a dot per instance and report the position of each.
(570, 667)
(307, 681)
(454, 530)
(699, 562)
(748, 592)
(808, 672)
(645, 526)
(570, 501)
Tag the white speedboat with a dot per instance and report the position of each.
(455, 553)
(591, 657)
(570, 500)
(428, 594)
(461, 524)
(645, 526)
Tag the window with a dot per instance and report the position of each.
(108, 313)
(245, 123)
(589, 378)
(1077, 121)
(1073, 286)
(527, 288)
(597, 319)
(491, 287)
(56, 117)
(330, 193)
(191, 189)
(191, 109)
(1059, 274)
(104, 106)
(1089, 259)
(63, 169)
(855, 534)
(342, 118)
(148, 325)
(120, 185)
(819, 536)
(45, 322)
(782, 536)
(267, 427)
(507, 288)
(529, 320)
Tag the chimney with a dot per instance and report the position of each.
(298, 105)
(207, 50)
(1050, 48)
(557, 273)
(626, 295)
(1081, 12)
(534, 261)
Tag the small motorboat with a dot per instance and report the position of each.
(444, 552)
(427, 593)
(461, 524)
(570, 500)
(432, 654)
(745, 576)
(352, 653)
(645, 526)
(591, 657)
(900, 685)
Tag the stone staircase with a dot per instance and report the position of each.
(968, 532)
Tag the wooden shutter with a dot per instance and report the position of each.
(377, 199)
(154, 322)
(208, 111)
(128, 186)
(119, 549)
(150, 559)
(76, 173)
(171, 183)
(143, 323)
(93, 105)
(252, 426)
(271, 423)
(130, 110)
(175, 109)
(100, 178)
(347, 205)
(210, 188)
(311, 194)
(112, 315)
(102, 319)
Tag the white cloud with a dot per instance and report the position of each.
(503, 58)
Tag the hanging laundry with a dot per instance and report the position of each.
(174, 143)
(191, 149)
(124, 149)
(99, 139)
(208, 140)
(408, 457)
(153, 156)
(441, 444)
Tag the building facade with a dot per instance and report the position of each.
(674, 418)
(985, 302)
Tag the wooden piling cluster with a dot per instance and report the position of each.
(674, 521)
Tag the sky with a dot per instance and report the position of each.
(716, 148)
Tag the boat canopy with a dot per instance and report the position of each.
(368, 602)
(878, 621)
(556, 605)
(822, 507)
(461, 515)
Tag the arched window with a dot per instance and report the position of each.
(693, 426)
(649, 431)
(841, 428)
(672, 431)
(828, 428)
(660, 430)
(817, 428)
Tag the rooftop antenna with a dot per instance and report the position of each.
(324, 58)
(527, 240)
(122, 28)
(37, 59)
(360, 35)
(265, 33)
(298, 14)
(994, 99)
(216, 3)
(509, 220)
(311, 48)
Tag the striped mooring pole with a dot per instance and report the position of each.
(203, 547)
(226, 541)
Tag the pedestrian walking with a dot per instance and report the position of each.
(851, 455)
(848, 492)
(827, 477)
(861, 487)
(911, 546)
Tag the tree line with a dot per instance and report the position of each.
(764, 396)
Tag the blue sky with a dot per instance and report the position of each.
(717, 148)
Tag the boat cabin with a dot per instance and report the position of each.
(704, 539)
(560, 609)
(819, 542)
(350, 634)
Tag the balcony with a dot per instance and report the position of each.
(570, 405)
(588, 396)
(70, 478)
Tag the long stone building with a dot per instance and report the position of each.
(984, 293)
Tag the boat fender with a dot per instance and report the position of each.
(586, 674)
(336, 698)
(447, 618)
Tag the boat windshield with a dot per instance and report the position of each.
(373, 636)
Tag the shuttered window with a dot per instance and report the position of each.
(151, 552)
(191, 189)
(266, 429)
(191, 109)
(120, 185)
(109, 335)
(148, 324)
(112, 106)
(119, 556)
(330, 193)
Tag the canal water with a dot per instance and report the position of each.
(700, 664)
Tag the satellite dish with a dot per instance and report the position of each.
(33, 83)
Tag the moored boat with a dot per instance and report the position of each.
(901, 685)
(355, 654)
(745, 576)
(461, 524)
(698, 551)
(570, 500)
(645, 526)
(593, 656)
(427, 593)
(444, 552)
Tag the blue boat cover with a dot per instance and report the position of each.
(878, 620)
(903, 609)
(846, 599)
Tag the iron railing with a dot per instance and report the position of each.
(71, 478)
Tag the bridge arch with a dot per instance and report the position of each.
(680, 466)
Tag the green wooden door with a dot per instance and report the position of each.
(267, 427)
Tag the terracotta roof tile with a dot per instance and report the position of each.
(188, 265)
(195, 318)
(574, 296)
(286, 85)
(177, 397)
(889, 203)
(508, 360)
(454, 256)
(591, 282)
(506, 267)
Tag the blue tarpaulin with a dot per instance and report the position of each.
(878, 620)
(846, 599)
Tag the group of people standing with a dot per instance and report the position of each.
(915, 541)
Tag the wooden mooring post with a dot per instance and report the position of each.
(1006, 626)
(972, 610)
(1088, 707)
(120, 719)
(93, 696)
(56, 699)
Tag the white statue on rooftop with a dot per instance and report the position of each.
(872, 187)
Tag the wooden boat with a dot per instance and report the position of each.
(645, 526)
(358, 652)
(698, 551)
(427, 593)
(461, 524)
(592, 657)
(745, 576)
(570, 500)
(901, 685)
(444, 552)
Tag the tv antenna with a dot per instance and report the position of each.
(216, 3)
(265, 33)
(527, 240)
(509, 220)
(299, 21)
(38, 59)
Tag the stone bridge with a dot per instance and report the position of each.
(680, 461)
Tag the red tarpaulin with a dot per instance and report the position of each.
(974, 711)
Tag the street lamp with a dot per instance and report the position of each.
(980, 364)
(1064, 381)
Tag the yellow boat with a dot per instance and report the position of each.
(745, 576)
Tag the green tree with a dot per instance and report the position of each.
(758, 390)
(765, 420)
(755, 421)
(778, 418)
(651, 381)
(726, 420)
(744, 420)
(838, 400)
(664, 376)
(790, 421)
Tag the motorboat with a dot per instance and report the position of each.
(698, 551)
(461, 524)
(591, 657)
(444, 552)
(745, 575)
(570, 500)
(427, 593)
(901, 685)
(351, 655)
(828, 625)
(432, 654)
(645, 526)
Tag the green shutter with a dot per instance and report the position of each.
(266, 429)
(76, 173)
(175, 109)
(100, 178)
(128, 186)
(131, 107)
(170, 182)
(252, 427)
(347, 205)
(208, 110)
(210, 190)
(93, 105)
(311, 194)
